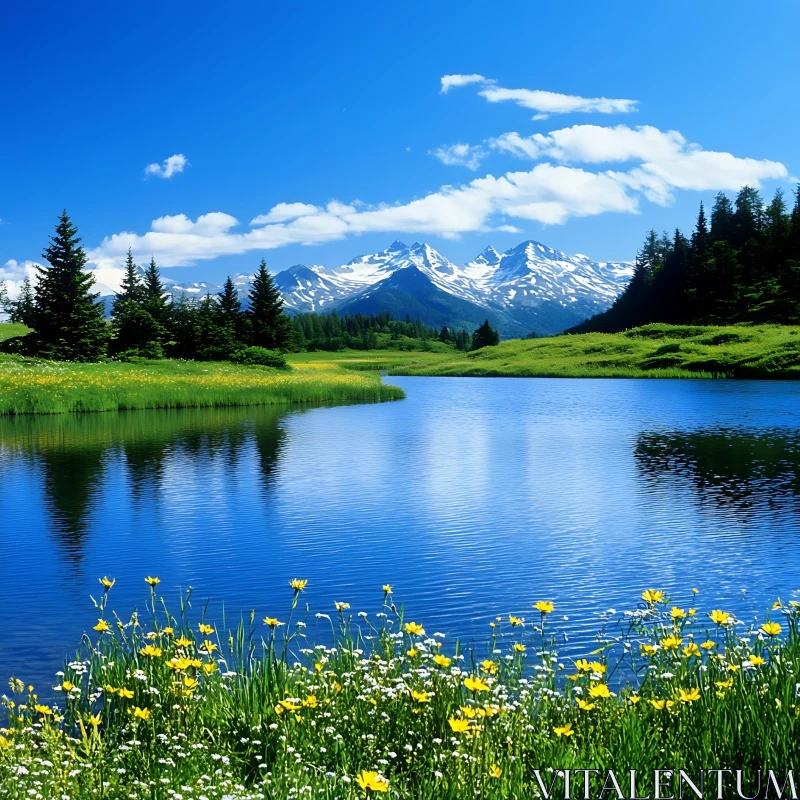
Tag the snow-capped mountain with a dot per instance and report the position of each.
(528, 288)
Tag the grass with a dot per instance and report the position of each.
(11, 329)
(160, 705)
(31, 386)
(653, 351)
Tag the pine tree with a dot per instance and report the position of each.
(131, 289)
(444, 334)
(271, 328)
(722, 225)
(700, 236)
(794, 236)
(68, 323)
(229, 304)
(485, 336)
(22, 309)
(153, 292)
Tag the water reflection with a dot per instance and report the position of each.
(725, 468)
(75, 457)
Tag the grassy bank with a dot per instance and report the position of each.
(30, 386)
(161, 705)
(654, 351)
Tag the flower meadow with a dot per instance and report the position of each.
(174, 705)
(31, 386)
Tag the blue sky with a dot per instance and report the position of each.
(277, 104)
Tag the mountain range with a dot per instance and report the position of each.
(528, 288)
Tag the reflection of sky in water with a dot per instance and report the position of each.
(473, 497)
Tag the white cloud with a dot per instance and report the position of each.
(14, 272)
(543, 102)
(284, 211)
(168, 167)
(669, 161)
(547, 103)
(466, 155)
(451, 81)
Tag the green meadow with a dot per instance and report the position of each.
(652, 351)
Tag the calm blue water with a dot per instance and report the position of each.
(473, 497)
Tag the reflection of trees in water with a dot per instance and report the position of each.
(74, 452)
(726, 467)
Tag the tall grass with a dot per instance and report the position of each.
(30, 386)
(653, 351)
(175, 705)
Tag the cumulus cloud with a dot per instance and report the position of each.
(452, 81)
(669, 161)
(168, 167)
(14, 272)
(543, 102)
(283, 212)
(466, 155)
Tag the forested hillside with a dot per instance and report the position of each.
(741, 265)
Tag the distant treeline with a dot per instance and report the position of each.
(329, 331)
(68, 322)
(742, 265)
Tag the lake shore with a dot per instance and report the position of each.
(32, 386)
(653, 351)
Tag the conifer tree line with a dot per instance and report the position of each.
(741, 264)
(68, 323)
(329, 331)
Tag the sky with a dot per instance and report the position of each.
(213, 135)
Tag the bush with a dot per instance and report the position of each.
(262, 357)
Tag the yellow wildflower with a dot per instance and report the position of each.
(372, 781)
(183, 642)
(474, 684)
(94, 720)
(652, 596)
(690, 650)
(565, 730)
(106, 583)
(719, 617)
(310, 701)
(671, 642)
(298, 584)
(206, 630)
(272, 622)
(458, 725)
(387, 589)
(755, 660)
(515, 620)
(152, 581)
(584, 706)
(660, 705)
(648, 649)
(412, 653)
(520, 648)
(102, 626)
(677, 613)
(708, 644)
(442, 661)
(151, 651)
(495, 771)
(141, 713)
(688, 695)
(544, 606)
(771, 628)
(635, 699)
(126, 694)
(415, 628)
(45, 711)
(420, 697)
(209, 667)
(208, 646)
(599, 690)
(489, 667)
(341, 606)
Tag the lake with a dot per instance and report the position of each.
(472, 497)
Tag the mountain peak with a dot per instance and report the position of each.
(396, 246)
